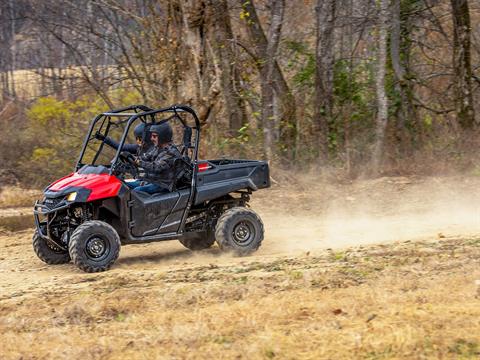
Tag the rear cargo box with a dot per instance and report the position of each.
(220, 177)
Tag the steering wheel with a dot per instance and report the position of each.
(127, 157)
(126, 164)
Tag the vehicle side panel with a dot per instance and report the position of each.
(172, 221)
(108, 188)
(156, 214)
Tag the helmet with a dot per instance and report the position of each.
(142, 129)
(138, 131)
(164, 131)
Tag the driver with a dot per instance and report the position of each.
(159, 162)
(139, 149)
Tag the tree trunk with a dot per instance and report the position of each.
(347, 111)
(196, 40)
(287, 123)
(382, 101)
(462, 63)
(325, 22)
(400, 55)
(13, 49)
(267, 78)
(223, 47)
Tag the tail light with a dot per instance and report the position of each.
(203, 167)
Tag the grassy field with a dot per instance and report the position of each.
(28, 83)
(313, 291)
(404, 300)
(15, 197)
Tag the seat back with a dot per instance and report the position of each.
(183, 173)
(187, 140)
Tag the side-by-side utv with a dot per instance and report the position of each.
(87, 215)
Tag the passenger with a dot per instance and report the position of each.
(140, 149)
(159, 162)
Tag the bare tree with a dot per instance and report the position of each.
(462, 63)
(13, 50)
(382, 101)
(266, 76)
(196, 29)
(259, 42)
(400, 44)
(224, 46)
(325, 22)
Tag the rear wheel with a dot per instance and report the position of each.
(47, 252)
(94, 246)
(239, 230)
(198, 240)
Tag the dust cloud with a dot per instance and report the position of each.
(372, 212)
(306, 216)
(312, 215)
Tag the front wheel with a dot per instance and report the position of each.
(239, 230)
(47, 252)
(94, 246)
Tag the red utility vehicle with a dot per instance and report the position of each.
(87, 215)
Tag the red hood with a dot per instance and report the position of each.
(100, 185)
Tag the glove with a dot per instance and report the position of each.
(99, 136)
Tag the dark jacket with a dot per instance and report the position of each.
(159, 165)
(135, 149)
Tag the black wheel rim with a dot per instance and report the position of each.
(97, 248)
(243, 233)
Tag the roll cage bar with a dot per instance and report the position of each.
(145, 111)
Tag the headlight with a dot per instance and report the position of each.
(72, 196)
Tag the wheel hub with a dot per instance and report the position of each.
(96, 247)
(242, 232)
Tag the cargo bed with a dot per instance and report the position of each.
(219, 177)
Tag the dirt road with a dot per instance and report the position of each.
(314, 289)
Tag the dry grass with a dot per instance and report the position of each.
(293, 299)
(28, 83)
(406, 300)
(12, 196)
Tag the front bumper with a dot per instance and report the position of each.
(41, 209)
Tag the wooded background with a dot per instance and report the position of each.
(364, 87)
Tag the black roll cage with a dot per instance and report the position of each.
(145, 112)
